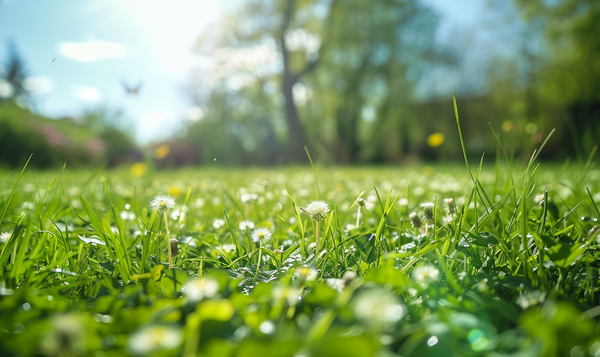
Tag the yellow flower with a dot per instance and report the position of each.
(174, 191)
(138, 169)
(436, 139)
(162, 151)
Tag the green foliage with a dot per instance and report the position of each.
(337, 76)
(85, 266)
(55, 141)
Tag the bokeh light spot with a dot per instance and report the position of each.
(477, 339)
(162, 151)
(507, 126)
(531, 128)
(436, 139)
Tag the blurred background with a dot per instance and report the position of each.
(252, 82)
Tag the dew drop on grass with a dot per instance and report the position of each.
(432, 341)
(50, 297)
(26, 306)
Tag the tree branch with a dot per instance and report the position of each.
(311, 65)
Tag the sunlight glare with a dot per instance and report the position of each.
(173, 26)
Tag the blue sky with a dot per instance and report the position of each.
(99, 44)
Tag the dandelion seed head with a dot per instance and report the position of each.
(4, 237)
(379, 309)
(246, 225)
(218, 223)
(427, 205)
(162, 203)
(426, 274)
(198, 289)
(261, 235)
(154, 338)
(317, 210)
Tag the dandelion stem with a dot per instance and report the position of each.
(258, 263)
(358, 217)
(317, 236)
(168, 240)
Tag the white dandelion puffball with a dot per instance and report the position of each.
(246, 225)
(202, 288)
(317, 210)
(261, 235)
(162, 203)
(378, 308)
(4, 236)
(154, 338)
(426, 274)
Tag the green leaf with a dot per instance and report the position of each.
(564, 254)
(483, 239)
(387, 274)
(172, 281)
(220, 310)
(156, 272)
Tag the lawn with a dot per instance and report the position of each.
(497, 260)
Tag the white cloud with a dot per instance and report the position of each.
(89, 94)
(38, 85)
(91, 50)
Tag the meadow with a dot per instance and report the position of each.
(413, 261)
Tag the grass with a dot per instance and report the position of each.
(511, 270)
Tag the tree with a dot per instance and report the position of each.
(16, 72)
(324, 74)
(571, 78)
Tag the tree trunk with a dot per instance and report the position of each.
(296, 135)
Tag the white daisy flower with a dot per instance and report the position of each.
(306, 273)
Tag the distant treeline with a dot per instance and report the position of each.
(53, 143)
